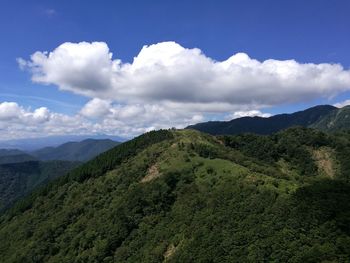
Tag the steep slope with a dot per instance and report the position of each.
(269, 125)
(184, 196)
(75, 151)
(19, 179)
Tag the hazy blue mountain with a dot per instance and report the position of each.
(14, 156)
(32, 144)
(17, 158)
(260, 125)
(75, 151)
(9, 152)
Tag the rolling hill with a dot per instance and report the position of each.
(320, 117)
(186, 196)
(75, 151)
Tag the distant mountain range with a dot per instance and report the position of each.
(21, 172)
(324, 117)
(75, 151)
(70, 151)
(33, 144)
(15, 156)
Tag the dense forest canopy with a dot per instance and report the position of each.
(185, 196)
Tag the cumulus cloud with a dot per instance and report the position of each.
(96, 117)
(9, 110)
(166, 85)
(96, 108)
(168, 72)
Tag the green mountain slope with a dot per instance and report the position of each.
(75, 151)
(19, 179)
(259, 125)
(185, 196)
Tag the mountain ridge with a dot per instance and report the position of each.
(75, 151)
(268, 125)
(33, 144)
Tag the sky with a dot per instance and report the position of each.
(126, 67)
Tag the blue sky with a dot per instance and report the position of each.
(304, 31)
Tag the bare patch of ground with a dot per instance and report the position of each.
(169, 252)
(325, 161)
(152, 174)
(219, 141)
(173, 145)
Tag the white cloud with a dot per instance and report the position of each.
(96, 108)
(251, 113)
(165, 85)
(168, 72)
(342, 104)
(83, 68)
(18, 122)
(96, 117)
(9, 110)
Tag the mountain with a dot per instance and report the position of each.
(21, 173)
(33, 144)
(75, 151)
(260, 125)
(16, 158)
(20, 178)
(186, 196)
(9, 152)
(334, 121)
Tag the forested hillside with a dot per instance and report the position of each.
(185, 196)
(20, 178)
